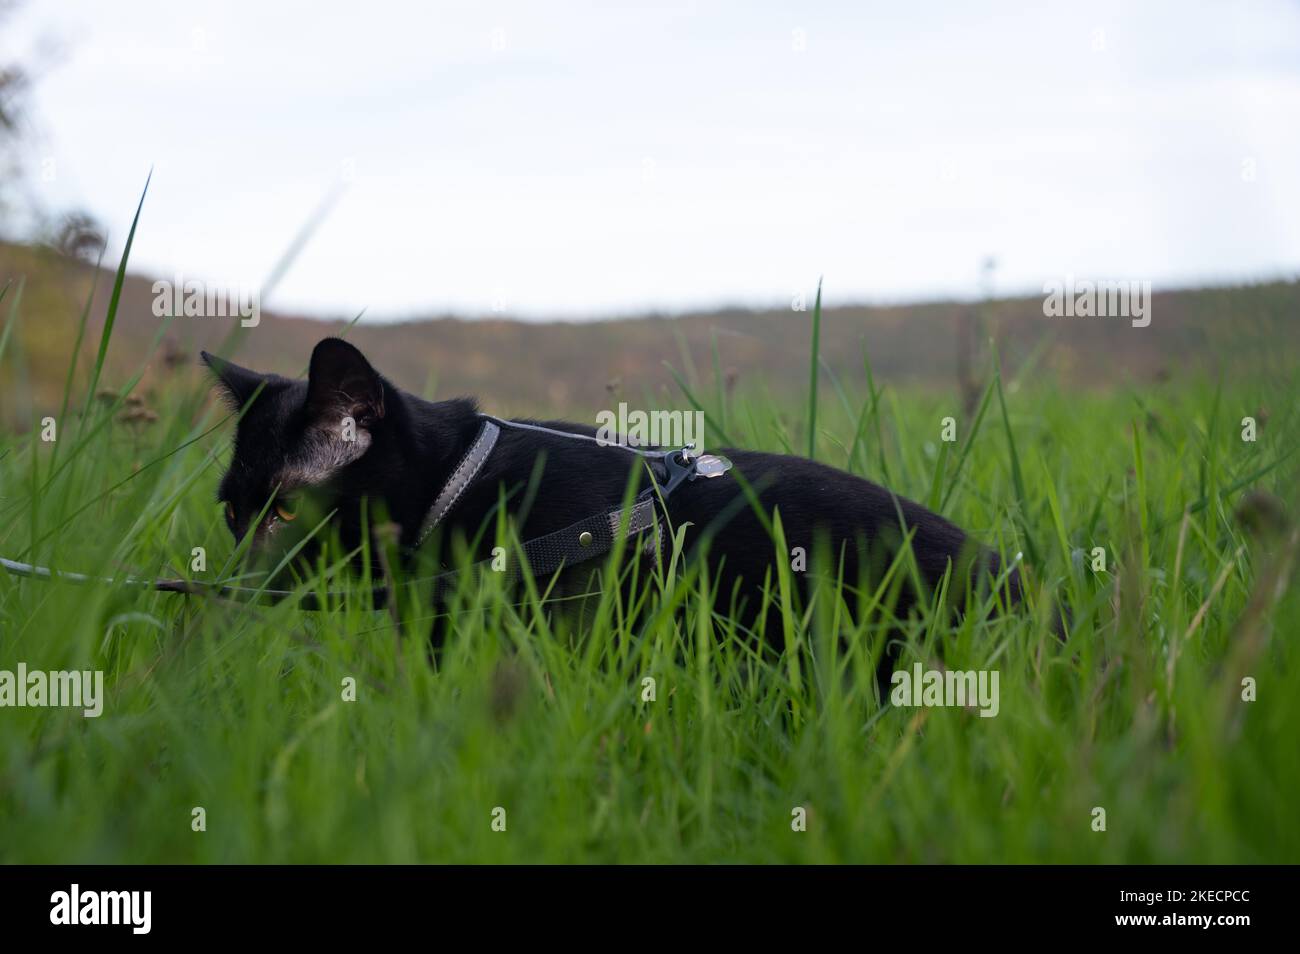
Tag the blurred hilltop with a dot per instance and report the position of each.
(561, 367)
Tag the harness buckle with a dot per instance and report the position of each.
(681, 466)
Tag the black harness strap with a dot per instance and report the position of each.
(577, 543)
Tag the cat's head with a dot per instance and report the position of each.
(304, 450)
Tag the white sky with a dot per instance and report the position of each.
(674, 155)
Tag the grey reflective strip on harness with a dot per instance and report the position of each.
(620, 444)
(461, 478)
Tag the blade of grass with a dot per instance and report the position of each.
(965, 451)
(812, 373)
(111, 315)
(1017, 478)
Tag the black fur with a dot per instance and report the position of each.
(288, 443)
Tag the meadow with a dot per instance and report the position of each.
(328, 736)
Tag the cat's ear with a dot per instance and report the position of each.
(341, 383)
(237, 384)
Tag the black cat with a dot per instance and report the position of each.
(348, 442)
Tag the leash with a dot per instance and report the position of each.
(581, 542)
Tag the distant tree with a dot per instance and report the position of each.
(78, 235)
(74, 233)
(15, 84)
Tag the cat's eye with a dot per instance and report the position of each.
(230, 510)
(286, 508)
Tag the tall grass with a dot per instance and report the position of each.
(240, 710)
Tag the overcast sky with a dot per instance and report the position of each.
(577, 160)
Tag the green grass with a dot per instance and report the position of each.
(239, 709)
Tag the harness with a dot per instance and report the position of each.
(589, 538)
(593, 536)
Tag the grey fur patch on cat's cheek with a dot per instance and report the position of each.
(323, 452)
